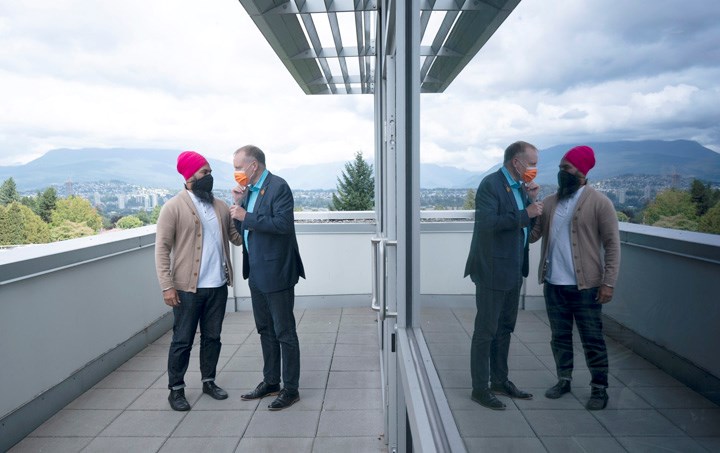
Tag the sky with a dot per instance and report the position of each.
(184, 74)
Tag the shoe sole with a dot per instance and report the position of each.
(553, 397)
(284, 407)
(597, 408)
(245, 398)
(216, 397)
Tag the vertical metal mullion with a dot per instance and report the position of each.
(317, 46)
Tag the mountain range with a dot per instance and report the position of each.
(156, 167)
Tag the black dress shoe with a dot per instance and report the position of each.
(261, 390)
(508, 388)
(487, 398)
(286, 399)
(178, 401)
(598, 399)
(558, 390)
(214, 391)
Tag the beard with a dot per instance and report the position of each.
(204, 196)
(568, 184)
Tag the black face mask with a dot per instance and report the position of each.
(202, 188)
(568, 184)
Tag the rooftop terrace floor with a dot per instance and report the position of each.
(341, 402)
(648, 410)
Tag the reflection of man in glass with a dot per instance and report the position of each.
(498, 260)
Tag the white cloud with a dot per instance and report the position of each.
(184, 74)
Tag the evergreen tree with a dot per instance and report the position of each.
(710, 222)
(20, 225)
(670, 203)
(8, 192)
(154, 215)
(703, 196)
(45, 204)
(10, 225)
(355, 187)
(76, 210)
(67, 229)
(469, 202)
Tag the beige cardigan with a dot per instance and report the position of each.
(178, 242)
(594, 229)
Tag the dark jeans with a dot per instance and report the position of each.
(565, 303)
(275, 322)
(494, 322)
(206, 307)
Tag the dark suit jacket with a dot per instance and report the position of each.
(273, 262)
(498, 258)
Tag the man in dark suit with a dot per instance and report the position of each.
(498, 260)
(263, 214)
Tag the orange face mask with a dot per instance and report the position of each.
(529, 174)
(242, 178)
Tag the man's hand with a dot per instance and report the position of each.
(605, 294)
(535, 209)
(238, 213)
(171, 298)
(239, 193)
(532, 188)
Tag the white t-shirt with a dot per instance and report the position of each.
(212, 262)
(560, 264)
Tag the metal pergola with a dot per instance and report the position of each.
(325, 63)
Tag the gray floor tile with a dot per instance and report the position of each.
(452, 362)
(232, 403)
(275, 445)
(695, 422)
(462, 349)
(351, 444)
(313, 379)
(357, 328)
(213, 424)
(72, 423)
(674, 398)
(356, 423)
(631, 362)
(200, 445)
(567, 401)
(283, 424)
(323, 337)
(636, 422)
(710, 443)
(156, 399)
(357, 311)
(525, 362)
(352, 399)
(355, 350)
(504, 444)
(248, 350)
(143, 424)
(663, 444)
(582, 445)
(317, 327)
(105, 399)
(124, 444)
(129, 380)
(547, 423)
(360, 363)
(315, 363)
(316, 349)
(541, 336)
(51, 444)
(370, 339)
(193, 379)
(455, 378)
(244, 363)
(532, 378)
(154, 350)
(446, 337)
(354, 380)
(239, 380)
(194, 365)
(233, 338)
(490, 423)
(145, 363)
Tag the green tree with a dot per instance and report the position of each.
(68, 229)
(20, 225)
(155, 214)
(622, 217)
(355, 187)
(129, 221)
(143, 217)
(45, 204)
(76, 210)
(10, 226)
(670, 203)
(8, 192)
(677, 222)
(703, 196)
(710, 222)
(469, 202)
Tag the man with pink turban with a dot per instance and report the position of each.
(579, 265)
(192, 260)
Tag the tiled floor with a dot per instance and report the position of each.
(648, 410)
(340, 407)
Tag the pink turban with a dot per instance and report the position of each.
(189, 162)
(582, 157)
